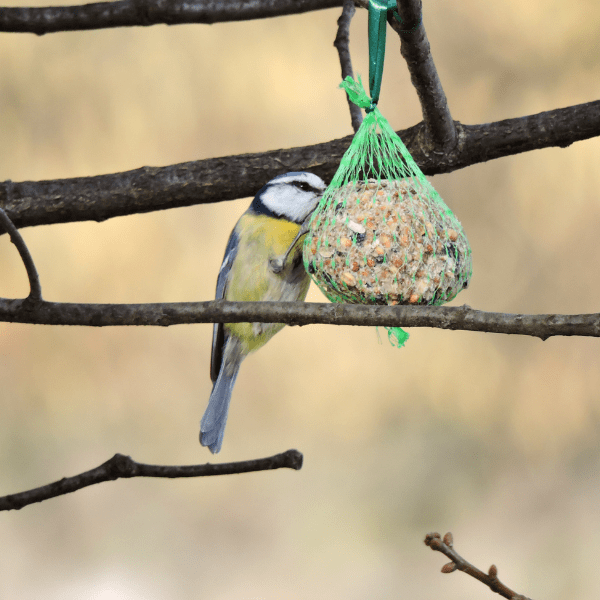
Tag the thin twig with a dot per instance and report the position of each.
(445, 546)
(129, 13)
(120, 466)
(217, 179)
(461, 318)
(342, 43)
(439, 128)
(35, 288)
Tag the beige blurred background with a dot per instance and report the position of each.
(496, 438)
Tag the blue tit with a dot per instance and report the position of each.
(267, 231)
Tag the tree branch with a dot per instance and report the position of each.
(120, 466)
(445, 546)
(227, 178)
(129, 13)
(342, 43)
(462, 318)
(440, 130)
(35, 289)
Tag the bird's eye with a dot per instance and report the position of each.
(305, 187)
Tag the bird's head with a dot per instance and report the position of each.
(292, 196)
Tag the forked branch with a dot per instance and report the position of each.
(342, 43)
(35, 288)
(440, 131)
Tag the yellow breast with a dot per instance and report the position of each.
(262, 238)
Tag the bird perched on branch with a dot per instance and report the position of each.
(263, 261)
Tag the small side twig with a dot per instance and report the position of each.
(415, 49)
(120, 466)
(342, 43)
(445, 546)
(35, 288)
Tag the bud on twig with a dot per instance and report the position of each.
(449, 567)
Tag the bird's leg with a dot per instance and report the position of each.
(278, 262)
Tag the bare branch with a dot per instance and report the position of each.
(35, 289)
(461, 318)
(434, 541)
(128, 13)
(342, 43)
(227, 178)
(439, 128)
(120, 466)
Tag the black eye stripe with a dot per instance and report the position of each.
(305, 186)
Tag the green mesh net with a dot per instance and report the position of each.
(381, 233)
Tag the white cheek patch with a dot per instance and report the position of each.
(289, 202)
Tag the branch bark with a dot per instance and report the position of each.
(296, 313)
(35, 288)
(342, 44)
(227, 178)
(415, 49)
(120, 466)
(130, 13)
(446, 547)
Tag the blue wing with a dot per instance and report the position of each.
(218, 332)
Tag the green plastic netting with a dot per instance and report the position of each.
(381, 233)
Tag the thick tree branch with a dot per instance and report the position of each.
(120, 466)
(227, 178)
(439, 128)
(296, 313)
(35, 288)
(128, 13)
(445, 546)
(342, 43)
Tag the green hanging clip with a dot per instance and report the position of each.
(378, 10)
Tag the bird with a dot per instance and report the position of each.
(263, 261)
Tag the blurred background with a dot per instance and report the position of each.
(496, 438)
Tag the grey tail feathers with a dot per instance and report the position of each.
(212, 426)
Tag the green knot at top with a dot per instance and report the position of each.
(357, 94)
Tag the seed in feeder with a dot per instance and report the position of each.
(348, 279)
(398, 261)
(396, 242)
(421, 287)
(356, 227)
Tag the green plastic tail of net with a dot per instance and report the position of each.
(381, 233)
